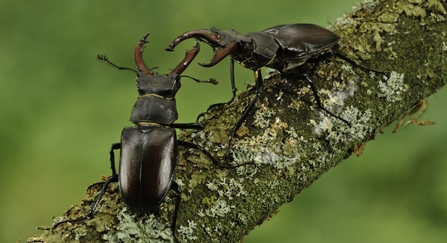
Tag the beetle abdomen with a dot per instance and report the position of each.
(303, 38)
(150, 151)
(299, 43)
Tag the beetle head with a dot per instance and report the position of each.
(149, 82)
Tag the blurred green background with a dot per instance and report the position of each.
(61, 110)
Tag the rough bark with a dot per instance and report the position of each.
(290, 142)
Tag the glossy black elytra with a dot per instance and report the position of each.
(149, 150)
(282, 47)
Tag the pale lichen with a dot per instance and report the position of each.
(263, 149)
(393, 87)
(187, 232)
(132, 230)
(263, 119)
(358, 130)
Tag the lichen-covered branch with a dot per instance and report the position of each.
(288, 140)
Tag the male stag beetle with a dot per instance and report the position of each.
(149, 150)
(282, 47)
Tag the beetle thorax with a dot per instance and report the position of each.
(260, 52)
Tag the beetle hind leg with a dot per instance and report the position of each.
(315, 94)
(176, 188)
(89, 214)
(112, 178)
(354, 64)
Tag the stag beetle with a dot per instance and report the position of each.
(282, 47)
(149, 150)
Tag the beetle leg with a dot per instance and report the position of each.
(67, 221)
(317, 99)
(197, 126)
(233, 89)
(195, 146)
(194, 125)
(115, 146)
(208, 154)
(354, 64)
(176, 188)
(247, 111)
(233, 83)
(112, 178)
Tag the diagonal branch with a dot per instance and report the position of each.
(290, 141)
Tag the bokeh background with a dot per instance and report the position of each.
(60, 110)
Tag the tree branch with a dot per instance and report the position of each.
(289, 140)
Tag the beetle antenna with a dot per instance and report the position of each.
(211, 80)
(105, 59)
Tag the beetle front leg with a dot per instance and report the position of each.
(248, 110)
(193, 125)
(233, 83)
(233, 87)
